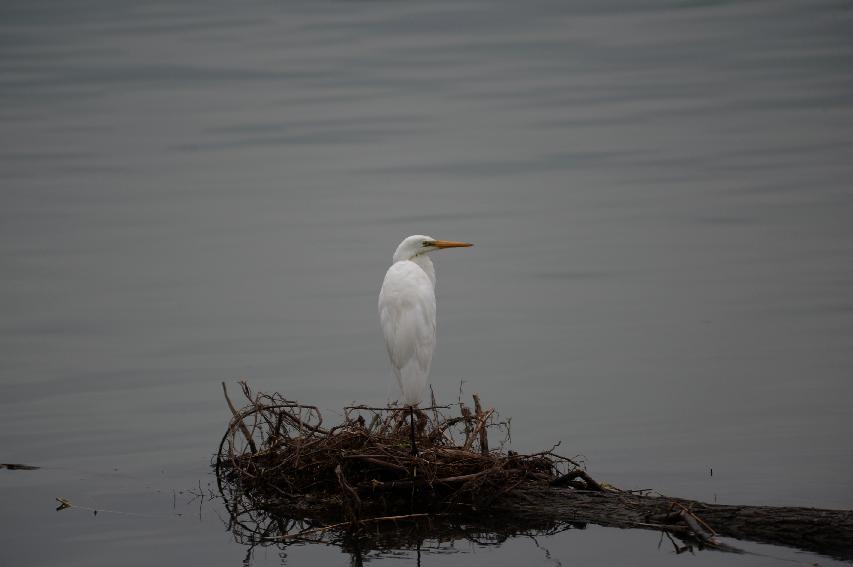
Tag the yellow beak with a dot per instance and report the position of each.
(451, 244)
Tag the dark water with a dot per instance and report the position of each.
(659, 193)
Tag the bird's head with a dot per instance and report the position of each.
(419, 244)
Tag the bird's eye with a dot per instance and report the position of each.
(426, 243)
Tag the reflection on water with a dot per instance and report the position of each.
(395, 536)
(195, 192)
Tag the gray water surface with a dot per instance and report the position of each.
(659, 194)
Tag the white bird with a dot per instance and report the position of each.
(407, 314)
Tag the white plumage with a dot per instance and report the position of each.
(407, 313)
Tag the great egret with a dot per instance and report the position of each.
(407, 316)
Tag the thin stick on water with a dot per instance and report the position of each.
(484, 438)
(239, 420)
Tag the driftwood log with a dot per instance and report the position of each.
(284, 477)
(828, 532)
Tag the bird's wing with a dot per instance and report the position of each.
(407, 316)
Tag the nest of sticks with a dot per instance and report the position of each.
(277, 454)
(286, 477)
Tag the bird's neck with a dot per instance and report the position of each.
(425, 263)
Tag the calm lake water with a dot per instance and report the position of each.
(659, 193)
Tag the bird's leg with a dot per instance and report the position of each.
(414, 443)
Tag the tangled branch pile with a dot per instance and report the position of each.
(284, 477)
(278, 453)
